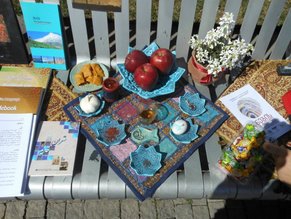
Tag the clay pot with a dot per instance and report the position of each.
(199, 72)
(110, 88)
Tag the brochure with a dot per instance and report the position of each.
(20, 100)
(45, 35)
(24, 76)
(15, 146)
(247, 105)
(55, 149)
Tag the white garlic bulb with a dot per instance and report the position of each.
(179, 127)
(90, 103)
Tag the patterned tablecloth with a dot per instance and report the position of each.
(174, 153)
(58, 95)
(262, 76)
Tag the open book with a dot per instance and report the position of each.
(19, 110)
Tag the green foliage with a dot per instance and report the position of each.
(36, 44)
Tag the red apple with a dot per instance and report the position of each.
(163, 60)
(146, 76)
(134, 59)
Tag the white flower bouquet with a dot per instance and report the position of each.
(218, 51)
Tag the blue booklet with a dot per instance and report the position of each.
(45, 35)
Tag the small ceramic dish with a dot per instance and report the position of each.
(81, 113)
(166, 84)
(86, 87)
(145, 161)
(192, 104)
(141, 135)
(189, 135)
(109, 131)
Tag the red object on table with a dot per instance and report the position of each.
(110, 88)
(286, 98)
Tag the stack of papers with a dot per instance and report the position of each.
(15, 145)
(19, 110)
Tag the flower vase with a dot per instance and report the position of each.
(200, 74)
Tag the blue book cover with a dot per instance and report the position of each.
(45, 35)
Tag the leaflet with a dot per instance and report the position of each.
(15, 141)
(247, 105)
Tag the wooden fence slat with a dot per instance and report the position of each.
(268, 28)
(164, 28)
(186, 21)
(283, 39)
(121, 25)
(143, 23)
(101, 37)
(208, 17)
(233, 6)
(78, 25)
(250, 19)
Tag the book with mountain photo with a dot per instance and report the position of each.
(45, 35)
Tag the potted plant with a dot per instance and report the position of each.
(217, 52)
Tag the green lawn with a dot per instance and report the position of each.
(177, 9)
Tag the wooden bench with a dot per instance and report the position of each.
(108, 41)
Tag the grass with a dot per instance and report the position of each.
(176, 12)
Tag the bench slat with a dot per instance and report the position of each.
(233, 6)
(78, 25)
(116, 187)
(208, 17)
(121, 25)
(190, 181)
(250, 19)
(186, 21)
(283, 39)
(35, 186)
(143, 23)
(58, 187)
(268, 28)
(169, 188)
(86, 185)
(216, 183)
(164, 27)
(101, 37)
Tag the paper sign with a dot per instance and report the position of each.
(247, 105)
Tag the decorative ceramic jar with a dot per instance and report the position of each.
(110, 88)
(200, 74)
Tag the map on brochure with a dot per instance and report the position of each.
(247, 105)
(55, 149)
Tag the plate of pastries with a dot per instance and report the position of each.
(88, 76)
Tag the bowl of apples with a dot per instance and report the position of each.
(150, 72)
